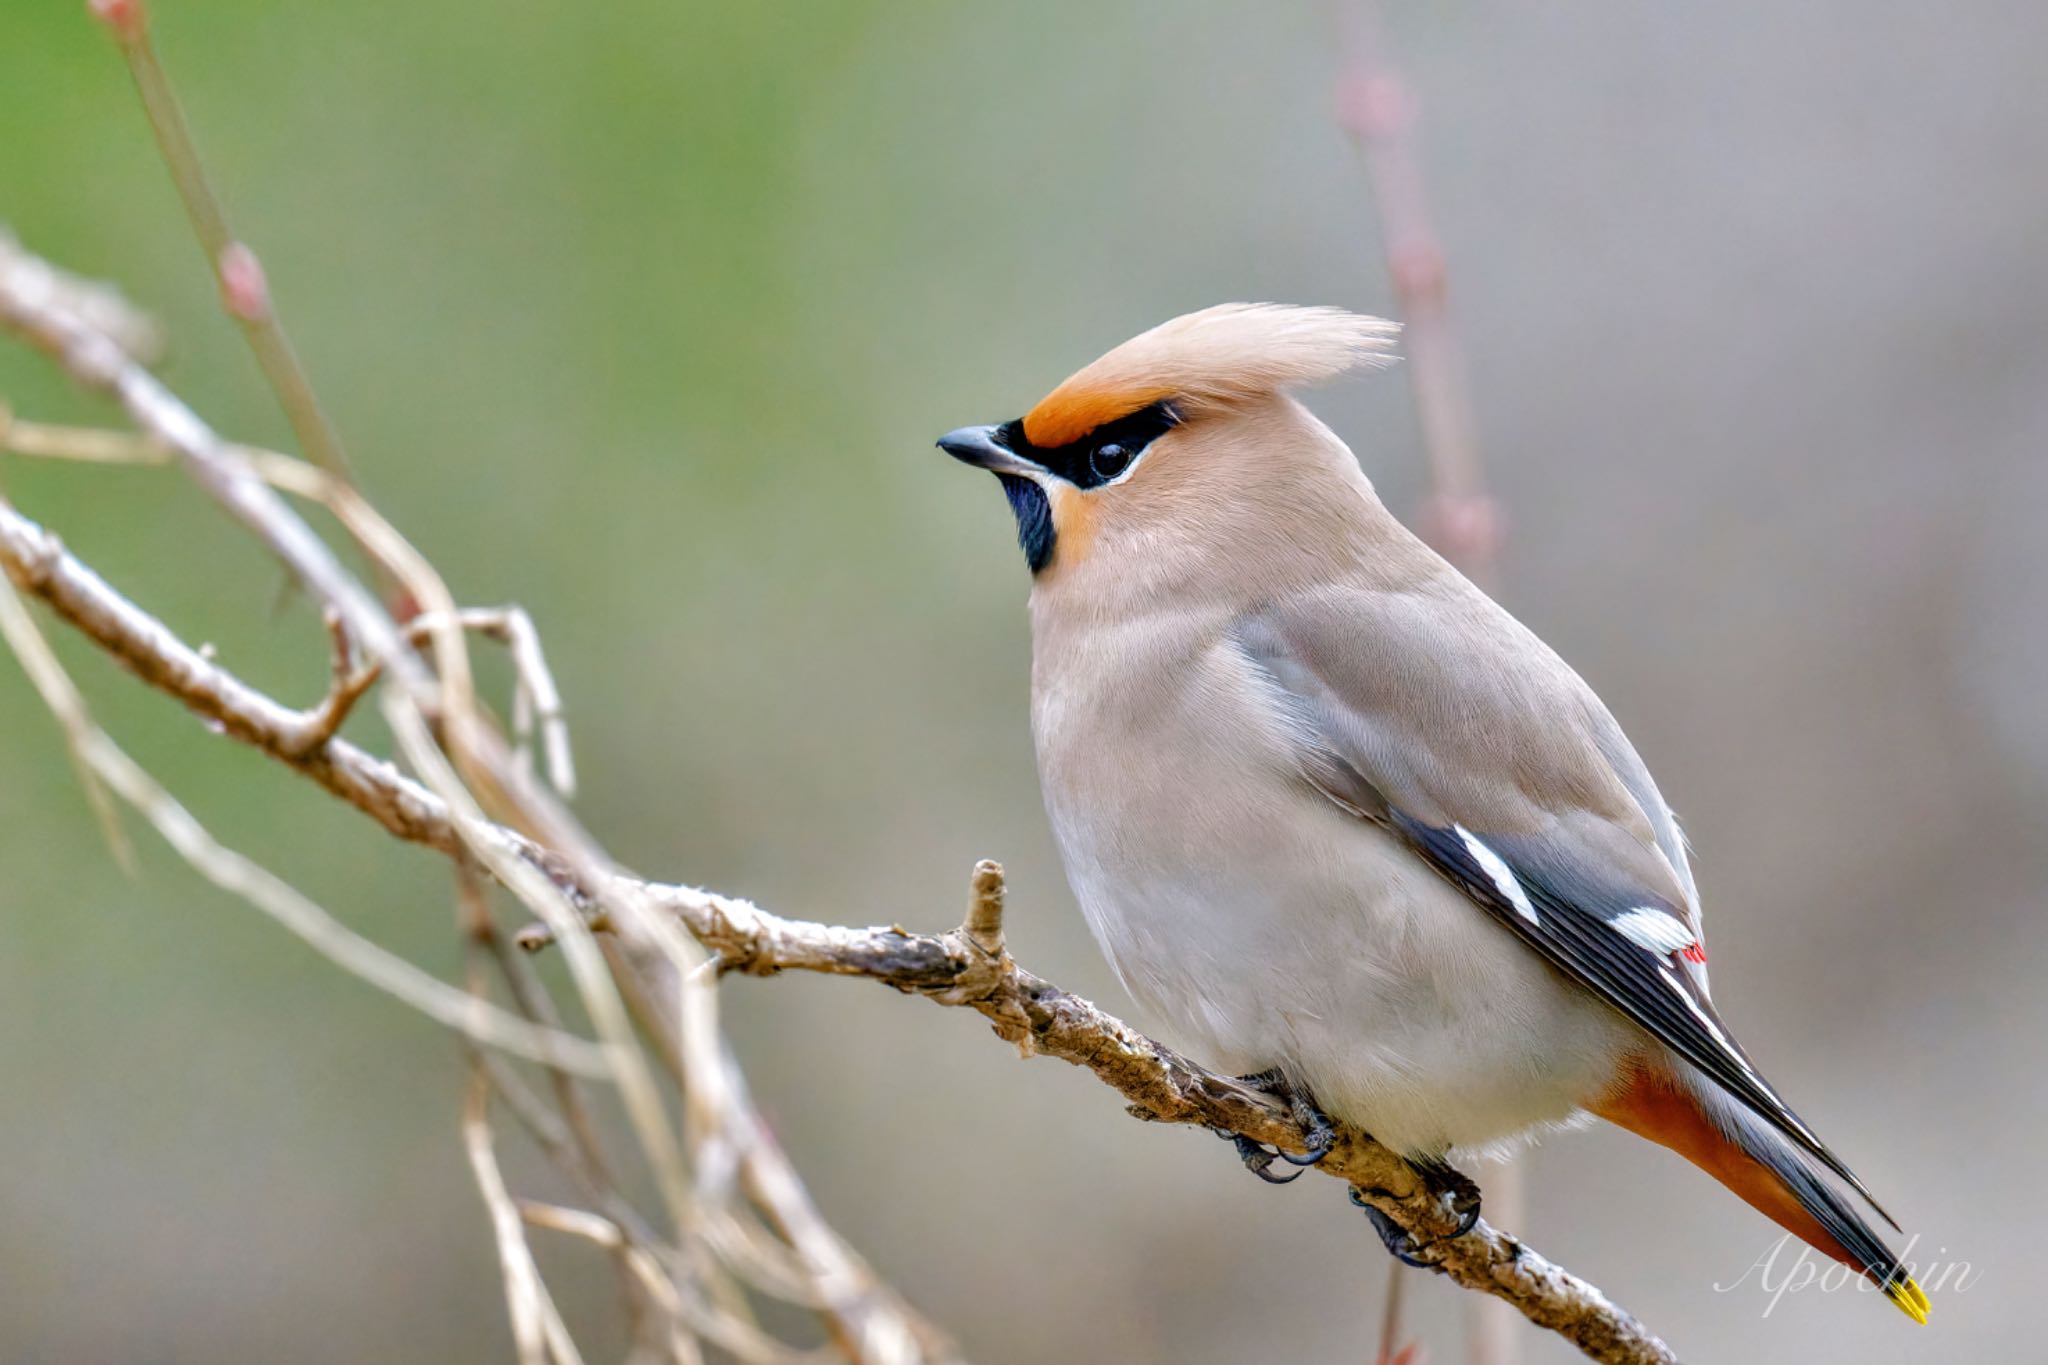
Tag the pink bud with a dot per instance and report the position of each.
(243, 290)
(124, 17)
(1374, 104)
(1418, 271)
(1465, 529)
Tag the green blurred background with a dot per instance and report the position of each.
(645, 315)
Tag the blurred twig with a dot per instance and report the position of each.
(244, 292)
(100, 306)
(538, 1331)
(1377, 107)
(1460, 518)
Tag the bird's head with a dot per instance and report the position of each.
(1179, 426)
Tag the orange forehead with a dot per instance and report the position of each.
(1073, 410)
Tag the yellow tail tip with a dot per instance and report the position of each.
(1910, 1298)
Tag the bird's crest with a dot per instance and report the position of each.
(1231, 352)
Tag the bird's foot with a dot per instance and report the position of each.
(1457, 1189)
(1399, 1244)
(1443, 1182)
(1259, 1158)
(1315, 1126)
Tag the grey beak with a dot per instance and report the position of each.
(979, 447)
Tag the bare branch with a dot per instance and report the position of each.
(575, 1222)
(347, 687)
(966, 967)
(105, 762)
(537, 1328)
(464, 767)
(61, 696)
(99, 305)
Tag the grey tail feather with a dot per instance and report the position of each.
(1827, 1205)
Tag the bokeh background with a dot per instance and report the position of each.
(645, 315)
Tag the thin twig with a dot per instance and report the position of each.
(1377, 107)
(531, 999)
(62, 698)
(536, 700)
(538, 1331)
(102, 307)
(354, 954)
(244, 292)
(571, 1140)
(426, 711)
(606, 1233)
(83, 445)
(347, 686)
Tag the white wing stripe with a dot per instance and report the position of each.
(1503, 876)
(1652, 929)
(1706, 1020)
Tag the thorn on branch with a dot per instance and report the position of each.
(537, 935)
(535, 697)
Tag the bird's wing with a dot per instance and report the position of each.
(1436, 714)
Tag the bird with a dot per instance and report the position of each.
(1334, 815)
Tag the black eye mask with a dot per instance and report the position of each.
(1102, 454)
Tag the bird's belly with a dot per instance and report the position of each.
(1281, 931)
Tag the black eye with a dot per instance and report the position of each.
(1109, 459)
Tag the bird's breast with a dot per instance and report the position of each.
(1173, 796)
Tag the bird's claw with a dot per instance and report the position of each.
(1315, 1126)
(1258, 1159)
(1453, 1185)
(1321, 1136)
(1445, 1184)
(1399, 1244)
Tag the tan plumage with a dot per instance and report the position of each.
(1329, 809)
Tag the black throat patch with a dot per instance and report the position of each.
(1034, 519)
